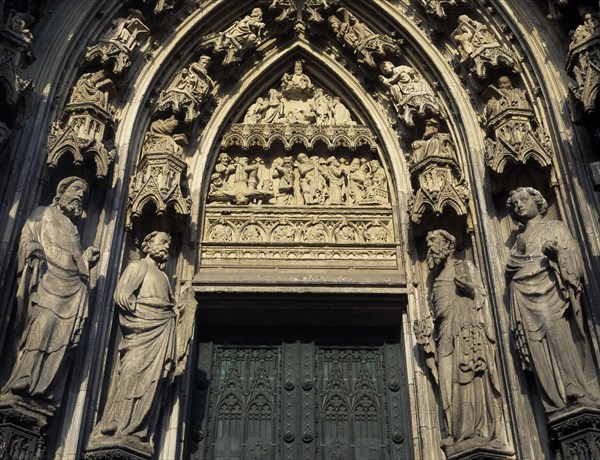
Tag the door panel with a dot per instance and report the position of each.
(299, 401)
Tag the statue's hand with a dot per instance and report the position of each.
(465, 286)
(91, 256)
(384, 80)
(550, 249)
(38, 254)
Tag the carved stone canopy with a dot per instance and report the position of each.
(583, 63)
(114, 49)
(479, 49)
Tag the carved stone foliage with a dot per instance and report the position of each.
(114, 50)
(509, 120)
(360, 39)
(186, 94)
(546, 268)
(239, 38)
(153, 349)
(84, 130)
(578, 433)
(479, 49)
(583, 63)
(410, 94)
(299, 181)
(437, 178)
(15, 55)
(459, 343)
(52, 302)
(437, 8)
(160, 178)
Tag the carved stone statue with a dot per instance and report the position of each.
(546, 276)
(410, 92)
(460, 349)
(238, 38)
(437, 178)
(296, 85)
(52, 297)
(91, 89)
(584, 31)
(155, 335)
(356, 36)
(161, 137)
(188, 90)
(117, 44)
(505, 97)
(19, 23)
(479, 47)
(437, 8)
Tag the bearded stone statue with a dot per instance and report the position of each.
(52, 297)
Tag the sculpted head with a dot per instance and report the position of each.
(524, 203)
(70, 195)
(156, 246)
(504, 83)
(432, 127)
(205, 61)
(441, 245)
(386, 67)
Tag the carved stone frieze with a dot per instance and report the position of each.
(479, 49)
(437, 179)
(509, 120)
(260, 234)
(84, 130)
(460, 345)
(437, 8)
(299, 181)
(578, 434)
(115, 48)
(410, 93)
(188, 91)
(360, 39)
(583, 63)
(236, 40)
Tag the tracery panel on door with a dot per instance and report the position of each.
(297, 400)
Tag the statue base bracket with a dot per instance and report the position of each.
(21, 432)
(578, 433)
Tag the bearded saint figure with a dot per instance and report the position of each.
(52, 296)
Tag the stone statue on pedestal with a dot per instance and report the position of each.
(155, 338)
(52, 298)
(546, 275)
(460, 347)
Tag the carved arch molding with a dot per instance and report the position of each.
(298, 148)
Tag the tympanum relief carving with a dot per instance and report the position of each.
(479, 49)
(583, 62)
(459, 343)
(296, 172)
(509, 120)
(301, 13)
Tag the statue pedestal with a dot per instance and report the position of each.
(22, 434)
(112, 448)
(477, 453)
(578, 433)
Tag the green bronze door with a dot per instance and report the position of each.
(299, 401)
